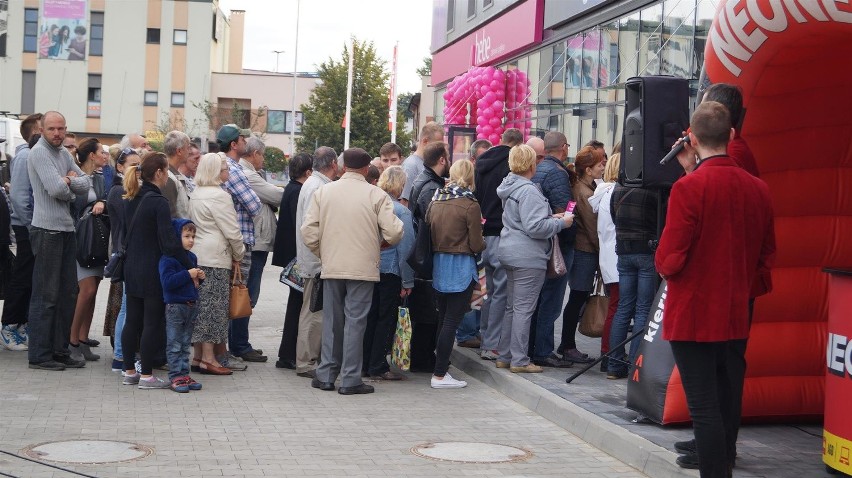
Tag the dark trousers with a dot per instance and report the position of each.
(16, 307)
(381, 324)
(287, 349)
(54, 293)
(570, 318)
(712, 374)
(451, 309)
(145, 331)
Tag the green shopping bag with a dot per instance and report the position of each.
(401, 352)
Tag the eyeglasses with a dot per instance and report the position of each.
(122, 156)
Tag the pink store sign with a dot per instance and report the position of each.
(68, 9)
(497, 40)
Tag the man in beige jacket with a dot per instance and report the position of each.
(346, 224)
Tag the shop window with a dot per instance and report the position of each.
(628, 44)
(451, 15)
(589, 59)
(471, 9)
(179, 37)
(609, 74)
(178, 100)
(650, 40)
(93, 109)
(28, 83)
(151, 98)
(30, 31)
(704, 14)
(678, 30)
(96, 35)
(153, 35)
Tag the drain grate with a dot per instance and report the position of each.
(87, 452)
(471, 452)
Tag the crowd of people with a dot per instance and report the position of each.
(347, 227)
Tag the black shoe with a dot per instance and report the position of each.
(324, 386)
(553, 361)
(254, 356)
(356, 390)
(604, 364)
(49, 365)
(290, 364)
(308, 374)
(690, 461)
(68, 362)
(616, 375)
(686, 447)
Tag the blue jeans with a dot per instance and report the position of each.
(238, 329)
(549, 309)
(119, 327)
(54, 293)
(469, 327)
(637, 285)
(180, 320)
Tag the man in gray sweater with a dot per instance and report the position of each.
(55, 180)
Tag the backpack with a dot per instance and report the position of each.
(92, 234)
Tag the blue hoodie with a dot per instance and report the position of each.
(177, 284)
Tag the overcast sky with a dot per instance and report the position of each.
(326, 25)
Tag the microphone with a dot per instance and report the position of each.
(674, 152)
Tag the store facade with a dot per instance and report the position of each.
(577, 55)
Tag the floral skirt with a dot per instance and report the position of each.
(211, 325)
(116, 290)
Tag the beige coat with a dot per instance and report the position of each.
(265, 223)
(345, 225)
(218, 240)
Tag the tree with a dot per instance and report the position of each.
(402, 102)
(220, 115)
(426, 69)
(326, 106)
(274, 160)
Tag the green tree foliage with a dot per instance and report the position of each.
(426, 69)
(274, 160)
(369, 119)
(402, 101)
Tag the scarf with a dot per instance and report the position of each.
(452, 191)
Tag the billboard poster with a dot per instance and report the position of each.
(63, 30)
(4, 22)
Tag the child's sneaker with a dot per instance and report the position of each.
(153, 383)
(131, 379)
(193, 385)
(10, 339)
(179, 385)
(117, 365)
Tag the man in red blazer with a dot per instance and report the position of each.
(718, 239)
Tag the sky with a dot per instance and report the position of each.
(326, 25)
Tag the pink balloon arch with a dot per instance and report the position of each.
(491, 99)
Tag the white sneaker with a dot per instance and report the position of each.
(447, 382)
(23, 334)
(10, 339)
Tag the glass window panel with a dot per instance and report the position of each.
(650, 40)
(30, 44)
(451, 14)
(31, 15)
(177, 99)
(678, 28)
(180, 37)
(628, 44)
(537, 81)
(97, 31)
(572, 133)
(96, 47)
(573, 65)
(97, 17)
(590, 56)
(151, 98)
(609, 55)
(471, 8)
(556, 72)
(30, 29)
(704, 18)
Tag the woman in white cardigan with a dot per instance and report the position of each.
(218, 245)
(607, 258)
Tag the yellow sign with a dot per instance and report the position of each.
(836, 452)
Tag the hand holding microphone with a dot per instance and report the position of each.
(683, 151)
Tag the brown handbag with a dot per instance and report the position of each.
(594, 315)
(240, 303)
(556, 264)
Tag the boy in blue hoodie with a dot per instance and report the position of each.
(180, 293)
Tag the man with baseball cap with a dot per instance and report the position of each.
(232, 144)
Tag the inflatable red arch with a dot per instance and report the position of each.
(793, 61)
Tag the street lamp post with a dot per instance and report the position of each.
(277, 55)
(295, 78)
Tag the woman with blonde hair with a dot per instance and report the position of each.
(395, 282)
(456, 224)
(525, 247)
(607, 259)
(219, 247)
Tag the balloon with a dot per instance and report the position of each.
(497, 105)
(488, 113)
(487, 129)
(489, 98)
(494, 138)
(494, 122)
(528, 124)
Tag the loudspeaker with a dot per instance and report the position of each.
(657, 111)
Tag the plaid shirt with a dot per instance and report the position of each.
(245, 200)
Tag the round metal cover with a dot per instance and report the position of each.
(471, 452)
(87, 452)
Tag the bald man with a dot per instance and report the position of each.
(537, 144)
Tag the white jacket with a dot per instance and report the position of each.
(218, 240)
(265, 223)
(600, 202)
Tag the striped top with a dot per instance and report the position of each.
(47, 166)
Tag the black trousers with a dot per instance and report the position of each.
(570, 318)
(451, 308)
(287, 349)
(381, 324)
(145, 331)
(16, 307)
(712, 374)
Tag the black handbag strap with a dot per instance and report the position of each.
(132, 222)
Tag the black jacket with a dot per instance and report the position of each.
(284, 249)
(116, 208)
(153, 237)
(422, 190)
(491, 168)
(81, 201)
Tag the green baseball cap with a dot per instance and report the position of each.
(230, 132)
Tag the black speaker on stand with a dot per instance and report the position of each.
(656, 113)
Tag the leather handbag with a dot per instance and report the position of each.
(92, 234)
(316, 295)
(594, 314)
(421, 256)
(240, 303)
(556, 264)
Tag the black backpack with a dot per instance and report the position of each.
(92, 233)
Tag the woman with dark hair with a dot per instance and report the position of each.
(89, 278)
(151, 238)
(588, 166)
(59, 40)
(284, 251)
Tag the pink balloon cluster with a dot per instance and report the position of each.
(518, 110)
(480, 95)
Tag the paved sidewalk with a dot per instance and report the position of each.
(593, 408)
(269, 422)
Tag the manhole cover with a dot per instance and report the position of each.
(470, 452)
(87, 452)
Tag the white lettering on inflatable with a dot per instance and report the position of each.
(839, 355)
(834, 13)
(777, 23)
(732, 42)
(654, 325)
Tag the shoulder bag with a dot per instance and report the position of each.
(556, 263)
(421, 257)
(114, 269)
(240, 302)
(92, 234)
(594, 314)
(316, 295)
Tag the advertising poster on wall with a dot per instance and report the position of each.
(4, 22)
(63, 30)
